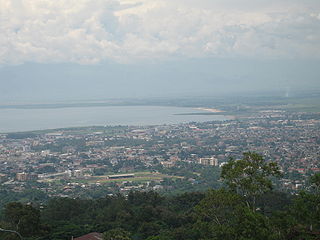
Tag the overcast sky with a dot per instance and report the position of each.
(119, 48)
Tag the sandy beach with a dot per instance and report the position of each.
(213, 110)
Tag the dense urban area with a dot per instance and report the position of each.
(165, 158)
(254, 176)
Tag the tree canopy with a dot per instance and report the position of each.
(249, 176)
(214, 215)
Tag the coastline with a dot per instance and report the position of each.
(213, 110)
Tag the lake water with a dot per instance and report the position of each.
(13, 120)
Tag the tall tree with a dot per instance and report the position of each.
(250, 176)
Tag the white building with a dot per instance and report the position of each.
(208, 161)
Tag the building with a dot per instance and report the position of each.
(120, 176)
(168, 164)
(90, 236)
(208, 161)
(23, 177)
(77, 174)
(3, 177)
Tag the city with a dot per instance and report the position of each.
(68, 162)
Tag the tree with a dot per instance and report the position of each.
(249, 176)
(23, 218)
(224, 215)
(315, 180)
(305, 212)
(301, 220)
(116, 234)
(218, 206)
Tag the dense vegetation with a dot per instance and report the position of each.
(246, 208)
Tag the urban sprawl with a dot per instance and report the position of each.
(115, 159)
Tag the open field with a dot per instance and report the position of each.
(138, 177)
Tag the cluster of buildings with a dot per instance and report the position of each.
(290, 139)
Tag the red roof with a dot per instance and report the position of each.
(90, 236)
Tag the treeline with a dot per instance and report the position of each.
(246, 209)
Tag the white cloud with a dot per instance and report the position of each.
(89, 32)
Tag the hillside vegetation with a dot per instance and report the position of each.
(246, 208)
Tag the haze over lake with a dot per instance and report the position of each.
(14, 120)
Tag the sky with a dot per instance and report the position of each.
(81, 49)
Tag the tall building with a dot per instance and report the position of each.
(23, 177)
(208, 161)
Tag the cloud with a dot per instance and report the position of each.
(127, 31)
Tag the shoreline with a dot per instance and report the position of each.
(213, 110)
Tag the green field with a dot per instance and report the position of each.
(138, 177)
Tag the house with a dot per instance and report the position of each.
(90, 236)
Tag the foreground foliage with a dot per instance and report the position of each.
(229, 213)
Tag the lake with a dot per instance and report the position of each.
(14, 120)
